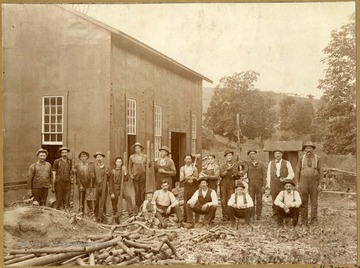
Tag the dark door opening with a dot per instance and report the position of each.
(53, 152)
(130, 142)
(178, 150)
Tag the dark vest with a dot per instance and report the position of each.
(203, 200)
(283, 169)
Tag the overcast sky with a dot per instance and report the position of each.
(281, 41)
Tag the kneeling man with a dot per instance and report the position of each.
(204, 201)
(288, 203)
(240, 204)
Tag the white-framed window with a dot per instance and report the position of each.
(131, 117)
(193, 133)
(52, 120)
(158, 129)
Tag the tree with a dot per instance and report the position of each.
(300, 117)
(285, 105)
(237, 94)
(208, 139)
(339, 98)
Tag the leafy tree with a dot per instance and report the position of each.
(300, 117)
(237, 94)
(339, 98)
(208, 139)
(285, 105)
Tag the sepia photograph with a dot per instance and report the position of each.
(179, 134)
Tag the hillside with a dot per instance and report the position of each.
(208, 92)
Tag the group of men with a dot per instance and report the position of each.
(241, 185)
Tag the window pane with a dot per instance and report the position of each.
(46, 101)
(52, 127)
(59, 137)
(52, 137)
(46, 110)
(59, 118)
(52, 120)
(59, 128)
(46, 137)
(53, 101)
(53, 110)
(59, 110)
(59, 101)
(46, 128)
(46, 119)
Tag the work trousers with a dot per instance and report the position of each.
(176, 210)
(98, 200)
(256, 196)
(227, 187)
(308, 188)
(241, 213)
(40, 195)
(276, 186)
(129, 205)
(189, 191)
(62, 193)
(139, 183)
(294, 214)
(82, 195)
(209, 213)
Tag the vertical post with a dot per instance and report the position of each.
(238, 135)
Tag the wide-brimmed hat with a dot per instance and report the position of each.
(228, 151)
(308, 144)
(85, 153)
(165, 148)
(239, 184)
(289, 181)
(41, 150)
(64, 149)
(98, 153)
(137, 144)
(278, 150)
(251, 151)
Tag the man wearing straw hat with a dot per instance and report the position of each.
(278, 171)
(309, 172)
(137, 172)
(288, 202)
(39, 178)
(164, 168)
(62, 171)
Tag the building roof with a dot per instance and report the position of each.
(289, 146)
(135, 42)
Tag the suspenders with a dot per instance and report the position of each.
(236, 196)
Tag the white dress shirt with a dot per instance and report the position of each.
(195, 197)
(290, 175)
(286, 198)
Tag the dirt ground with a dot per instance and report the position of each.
(333, 240)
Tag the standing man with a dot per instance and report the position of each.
(164, 168)
(203, 201)
(166, 204)
(137, 172)
(229, 173)
(288, 202)
(309, 172)
(62, 170)
(278, 171)
(257, 182)
(84, 173)
(240, 204)
(102, 173)
(188, 176)
(211, 172)
(116, 187)
(39, 178)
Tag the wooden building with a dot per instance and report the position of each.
(70, 77)
(291, 150)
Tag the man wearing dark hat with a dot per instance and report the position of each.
(164, 168)
(188, 176)
(102, 174)
(118, 177)
(39, 178)
(229, 173)
(257, 181)
(309, 172)
(240, 204)
(137, 172)
(62, 171)
(204, 201)
(278, 171)
(288, 202)
(84, 174)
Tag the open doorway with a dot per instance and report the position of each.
(178, 150)
(130, 142)
(53, 152)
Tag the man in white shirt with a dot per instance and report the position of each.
(204, 201)
(278, 171)
(288, 203)
(240, 204)
(166, 204)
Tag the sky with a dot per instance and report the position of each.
(283, 42)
